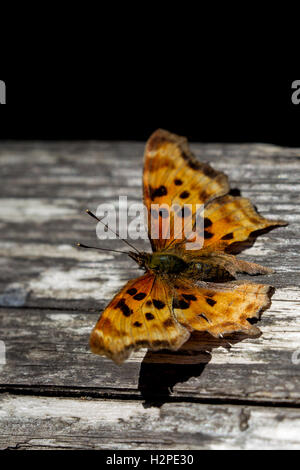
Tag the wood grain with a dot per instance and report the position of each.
(48, 349)
(51, 294)
(63, 423)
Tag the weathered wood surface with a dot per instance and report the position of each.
(48, 349)
(52, 293)
(64, 423)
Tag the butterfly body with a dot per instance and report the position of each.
(166, 263)
(199, 268)
(183, 289)
(203, 270)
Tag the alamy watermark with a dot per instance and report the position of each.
(160, 221)
(2, 92)
(296, 92)
(296, 358)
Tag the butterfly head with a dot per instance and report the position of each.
(142, 258)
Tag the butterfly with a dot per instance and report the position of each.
(184, 290)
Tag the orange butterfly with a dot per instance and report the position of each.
(184, 290)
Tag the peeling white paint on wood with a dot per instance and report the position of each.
(38, 210)
(74, 284)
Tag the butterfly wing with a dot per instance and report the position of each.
(232, 220)
(173, 176)
(139, 316)
(220, 308)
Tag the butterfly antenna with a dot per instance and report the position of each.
(102, 249)
(108, 228)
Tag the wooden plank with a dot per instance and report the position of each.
(47, 352)
(61, 423)
(44, 190)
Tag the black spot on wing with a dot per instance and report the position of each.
(132, 291)
(209, 171)
(229, 236)
(191, 161)
(189, 297)
(208, 235)
(139, 296)
(180, 304)
(168, 322)
(210, 294)
(178, 182)
(194, 164)
(124, 308)
(149, 316)
(158, 304)
(184, 195)
(137, 324)
(158, 192)
(207, 222)
(211, 302)
(183, 304)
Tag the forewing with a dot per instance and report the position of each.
(174, 177)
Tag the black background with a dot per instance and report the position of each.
(116, 103)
